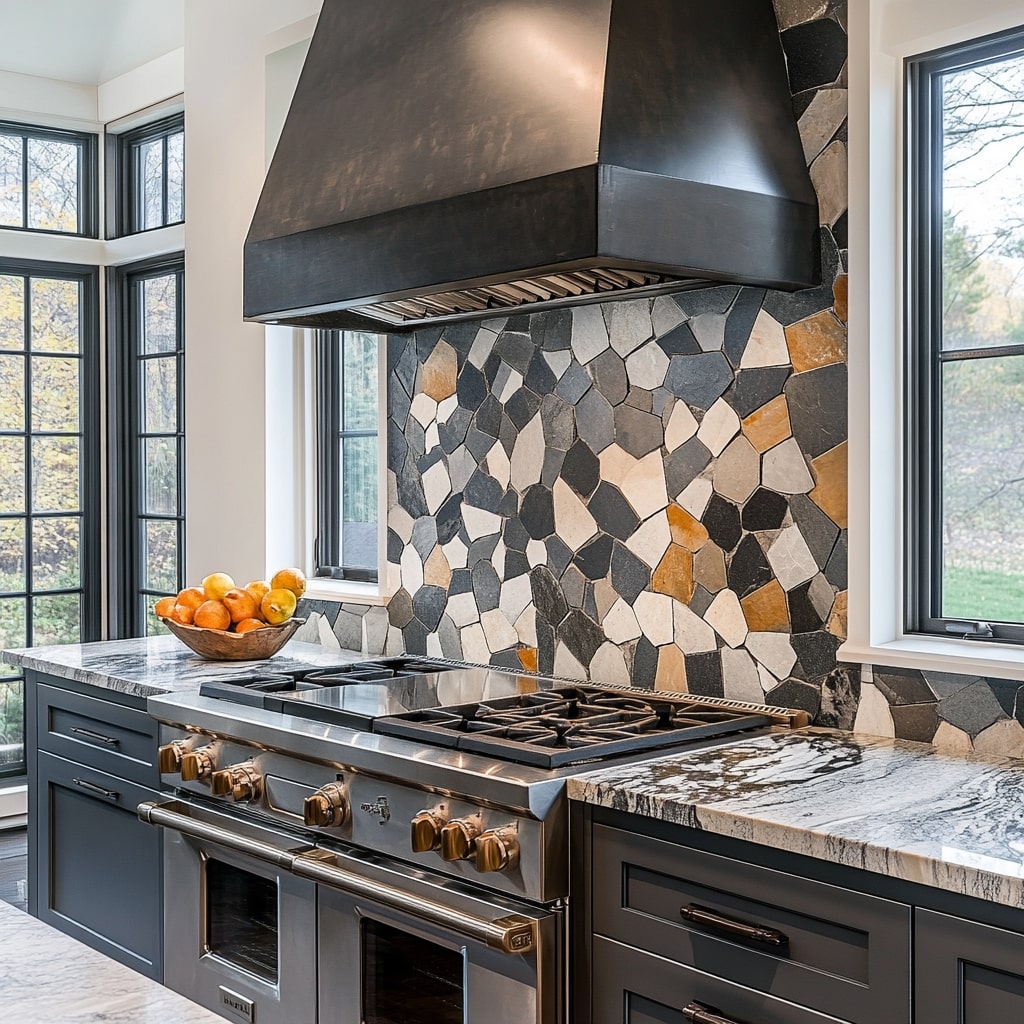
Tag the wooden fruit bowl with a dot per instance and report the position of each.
(217, 645)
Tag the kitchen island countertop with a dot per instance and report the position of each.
(888, 806)
(46, 976)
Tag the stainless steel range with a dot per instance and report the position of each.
(387, 842)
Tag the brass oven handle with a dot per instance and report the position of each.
(731, 927)
(166, 816)
(511, 934)
(98, 737)
(704, 1015)
(91, 787)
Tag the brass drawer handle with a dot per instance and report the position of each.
(731, 927)
(705, 1015)
(90, 787)
(98, 737)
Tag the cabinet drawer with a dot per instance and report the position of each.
(99, 733)
(631, 987)
(841, 953)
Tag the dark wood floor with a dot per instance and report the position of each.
(14, 868)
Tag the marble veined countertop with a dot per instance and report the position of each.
(888, 806)
(46, 977)
(160, 664)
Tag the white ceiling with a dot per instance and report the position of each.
(86, 41)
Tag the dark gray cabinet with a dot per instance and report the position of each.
(94, 868)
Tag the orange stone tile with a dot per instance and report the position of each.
(671, 670)
(436, 570)
(528, 659)
(830, 493)
(768, 426)
(817, 341)
(439, 374)
(766, 610)
(674, 575)
(686, 531)
(709, 568)
(841, 291)
(838, 620)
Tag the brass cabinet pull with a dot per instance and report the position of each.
(731, 927)
(91, 787)
(705, 1015)
(97, 737)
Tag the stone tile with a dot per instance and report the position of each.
(722, 521)
(594, 559)
(803, 616)
(609, 666)
(671, 676)
(482, 347)
(774, 651)
(486, 586)
(674, 574)
(528, 456)
(423, 409)
(765, 510)
(400, 609)
(815, 652)
(796, 694)
(815, 53)
(559, 423)
(685, 464)
(620, 624)
(709, 330)
(748, 567)
(526, 627)
(739, 676)
(651, 539)
(945, 684)
(527, 658)
(595, 421)
(769, 425)
(375, 630)
(822, 596)
(840, 695)
(573, 522)
(539, 379)
(482, 491)
(796, 12)
(499, 467)
(629, 324)
(637, 432)
(680, 341)
(755, 388)
(474, 644)
(629, 575)
(902, 686)
(665, 315)
(696, 496)
(516, 596)
(702, 598)
(547, 596)
(581, 469)
(838, 622)
(709, 568)
(614, 515)
(830, 490)
(719, 426)
(412, 570)
(706, 300)
(436, 570)
(479, 522)
(829, 176)
(471, 388)
(971, 709)
(1002, 739)
(582, 636)
(819, 531)
(739, 323)
(686, 531)
(738, 470)
(784, 469)
(682, 425)
(817, 408)
(817, 341)
(767, 344)
(428, 605)
(643, 486)
(538, 512)
(643, 667)
(725, 616)
(516, 349)
(841, 291)
(950, 740)
(608, 372)
(437, 486)
(692, 633)
(791, 559)
(704, 674)
(699, 380)
(574, 383)
(766, 610)
(916, 722)
(821, 120)
(558, 361)
(646, 367)
(654, 613)
(873, 715)
(605, 595)
(499, 633)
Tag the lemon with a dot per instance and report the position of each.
(216, 585)
(278, 606)
(289, 579)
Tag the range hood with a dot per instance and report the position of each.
(456, 159)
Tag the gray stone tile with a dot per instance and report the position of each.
(971, 709)
(817, 408)
(699, 380)
(595, 421)
(637, 432)
(903, 686)
(559, 423)
(608, 371)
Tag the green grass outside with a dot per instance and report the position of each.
(983, 594)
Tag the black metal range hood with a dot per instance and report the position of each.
(449, 159)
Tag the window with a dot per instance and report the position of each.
(347, 412)
(151, 176)
(148, 434)
(49, 532)
(47, 180)
(966, 324)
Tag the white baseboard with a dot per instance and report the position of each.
(13, 804)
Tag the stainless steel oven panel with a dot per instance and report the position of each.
(189, 966)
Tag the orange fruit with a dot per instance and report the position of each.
(278, 606)
(183, 614)
(258, 589)
(240, 604)
(212, 615)
(165, 607)
(191, 597)
(216, 585)
(247, 625)
(289, 579)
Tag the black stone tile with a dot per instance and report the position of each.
(395, 344)
(515, 349)
(916, 722)
(748, 568)
(581, 469)
(701, 600)
(398, 447)
(509, 504)
(426, 339)
(608, 372)
(400, 609)
(612, 513)
(538, 512)
(817, 408)
(410, 489)
(488, 417)
(486, 586)
(595, 420)
(740, 322)
(399, 404)
(797, 695)
(841, 230)
(452, 433)
(840, 697)
(686, 463)
(552, 468)
(449, 519)
(545, 647)
(540, 378)
(815, 53)
(428, 606)
(414, 637)
(406, 367)
(471, 387)
(803, 616)
(764, 510)
(491, 370)
(630, 576)
(644, 672)
(552, 329)
(508, 432)
(817, 529)
(699, 380)
(424, 462)
(697, 301)
(903, 686)
(1006, 691)
(559, 423)
(755, 388)
(478, 443)
(424, 536)
(590, 600)
(517, 322)
(507, 659)
(942, 684)
(574, 585)
(462, 582)
(722, 521)
(515, 536)
(575, 383)
(836, 568)
(802, 102)
(704, 674)
(638, 433)
(559, 554)
(395, 547)
(415, 437)
(547, 597)
(516, 564)
(972, 709)
(461, 336)
(594, 559)
(789, 307)
(482, 549)
(816, 652)
(679, 341)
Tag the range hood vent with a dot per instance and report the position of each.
(459, 158)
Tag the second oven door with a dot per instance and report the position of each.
(239, 933)
(380, 963)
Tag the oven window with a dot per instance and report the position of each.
(241, 919)
(408, 980)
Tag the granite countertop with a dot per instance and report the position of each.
(888, 806)
(160, 664)
(46, 976)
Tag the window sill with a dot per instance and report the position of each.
(939, 654)
(319, 588)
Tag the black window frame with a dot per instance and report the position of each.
(124, 196)
(88, 176)
(330, 432)
(924, 355)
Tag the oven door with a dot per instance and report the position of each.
(398, 946)
(239, 927)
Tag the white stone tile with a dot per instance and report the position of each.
(394, 578)
(790, 558)
(516, 596)
(498, 631)
(692, 634)
(948, 738)
(499, 466)
(456, 552)
(609, 666)
(695, 496)
(424, 409)
(395, 642)
(829, 176)
(767, 344)
(434, 646)
(665, 315)
(558, 361)
(401, 522)
(766, 679)
(654, 613)
(528, 455)
(589, 333)
(480, 522)
(1002, 739)
(820, 121)
(536, 553)
(784, 469)
(412, 570)
(446, 408)
(483, 345)
(573, 523)
(644, 485)
(629, 324)
(873, 715)
(498, 559)
(647, 366)
(616, 463)
(739, 676)
(620, 624)
(682, 425)
(725, 616)
(821, 596)
(431, 438)
(651, 539)
(461, 466)
(719, 426)
(709, 330)
(738, 470)
(566, 665)
(774, 651)
(509, 386)
(474, 644)
(526, 626)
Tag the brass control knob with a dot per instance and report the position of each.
(497, 849)
(458, 838)
(425, 831)
(241, 782)
(169, 756)
(198, 764)
(327, 807)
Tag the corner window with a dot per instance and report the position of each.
(966, 329)
(151, 176)
(47, 180)
(347, 422)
